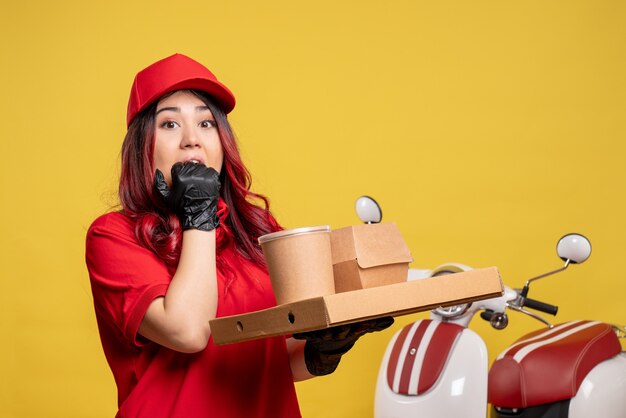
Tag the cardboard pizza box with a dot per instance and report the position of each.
(357, 305)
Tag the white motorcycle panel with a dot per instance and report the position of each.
(601, 393)
(461, 389)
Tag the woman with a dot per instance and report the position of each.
(183, 250)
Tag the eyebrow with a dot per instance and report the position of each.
(177, 109)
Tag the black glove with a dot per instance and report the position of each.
(193, 196)
(324, 347)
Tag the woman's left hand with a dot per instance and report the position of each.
(324, 348)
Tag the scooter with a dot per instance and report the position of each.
(438, 368)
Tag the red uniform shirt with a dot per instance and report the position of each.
(251, 379)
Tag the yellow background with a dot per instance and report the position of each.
(486, 130)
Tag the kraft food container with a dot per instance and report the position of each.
(299, 262)
(366, 256)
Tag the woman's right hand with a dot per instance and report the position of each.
(179, 320)
(193, 196)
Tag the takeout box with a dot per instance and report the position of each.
(347, 307)
(366, 256)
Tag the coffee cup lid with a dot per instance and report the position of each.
(291, 232)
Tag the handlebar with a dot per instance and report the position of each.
(540, 306)
(499, 320)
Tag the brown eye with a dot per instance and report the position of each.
(207, 124)
(169, 124)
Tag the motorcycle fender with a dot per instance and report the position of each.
(461, 389)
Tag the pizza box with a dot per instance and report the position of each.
(357, 305)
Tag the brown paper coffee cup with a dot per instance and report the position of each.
(299, 262)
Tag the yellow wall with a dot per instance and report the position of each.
(486, 129)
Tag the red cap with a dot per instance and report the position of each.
(177, 72)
